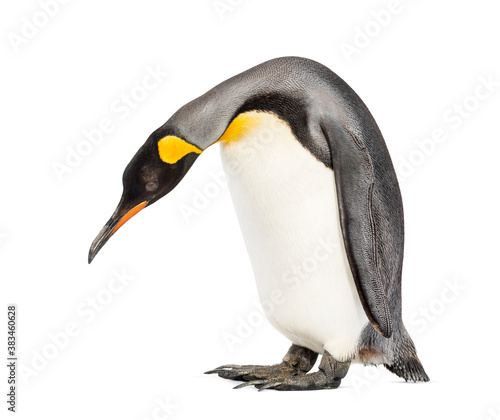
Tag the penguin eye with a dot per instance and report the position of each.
(152, 185)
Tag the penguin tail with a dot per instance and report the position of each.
(410, 369)
(406, 363)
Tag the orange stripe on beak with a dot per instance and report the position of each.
(131, 213)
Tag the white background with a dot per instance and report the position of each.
(192, 283)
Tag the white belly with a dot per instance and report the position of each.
(287, 208)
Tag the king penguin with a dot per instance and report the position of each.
(319, 207)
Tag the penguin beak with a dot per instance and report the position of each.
(119, 217)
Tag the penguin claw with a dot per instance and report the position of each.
(223, 368)
(309, 381)
(245, 384)
(229, 367)
(250, 373)
(269, 385)
(261, 384)
(219, 370)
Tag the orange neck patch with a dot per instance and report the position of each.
(242, 124)
(172, 148)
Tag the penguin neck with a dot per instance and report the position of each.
(203, 121)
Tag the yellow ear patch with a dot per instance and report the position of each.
(172, 149)
(242, 124)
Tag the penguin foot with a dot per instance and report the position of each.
(254, 372)
(298, 361)
(328, 376)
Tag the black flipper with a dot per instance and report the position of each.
(356, 183)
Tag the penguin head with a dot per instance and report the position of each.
(154, 171)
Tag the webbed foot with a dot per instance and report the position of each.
(298, 361)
